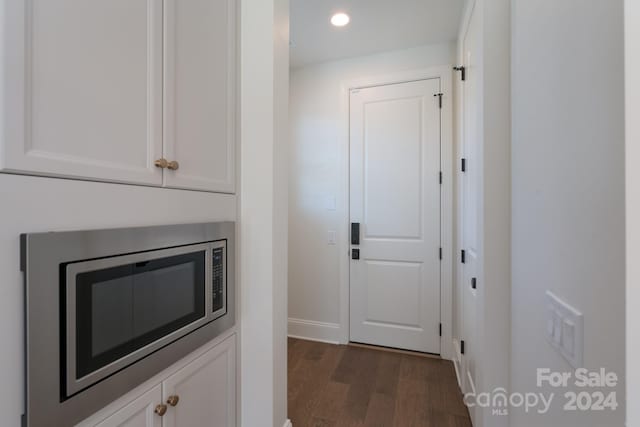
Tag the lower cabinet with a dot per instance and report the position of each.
(201, 394)
(139, 413)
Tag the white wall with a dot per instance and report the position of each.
(494, 294)
(33, 204)
(568, 190)
(263, 211)
(318, 172)
(632, 41)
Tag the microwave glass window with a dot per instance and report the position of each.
(124, 308)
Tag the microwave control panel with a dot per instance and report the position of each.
(218, 279)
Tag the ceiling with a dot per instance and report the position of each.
(376, 26)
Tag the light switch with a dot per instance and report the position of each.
(557, 328)
(331, 237)
(330, 203)
(568, 334)
(549, 323)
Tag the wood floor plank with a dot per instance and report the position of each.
(347, 369)
(443, 419)
(388, 374)
(331, 401)
(412, 409)
(362, 386)
(347, 386)
(381, 411)
(321, 422)
(308, 381)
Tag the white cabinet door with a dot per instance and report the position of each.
(83, 89)
(139, 413)
(200, 93)
(206, 389)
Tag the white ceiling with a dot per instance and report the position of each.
(376, 26)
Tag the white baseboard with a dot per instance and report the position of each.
(314, 331)
(288, 424)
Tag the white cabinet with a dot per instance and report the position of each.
(199, 101)
(83, 87)
(103, 90)
(205, 389)
(200, 393)
(139, 413)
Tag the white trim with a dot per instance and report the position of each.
(314, 331)
(444, 73)
(288, 423)
(457, 363)
(632, 58)
(458, 281)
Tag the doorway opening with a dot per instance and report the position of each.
(371, 202)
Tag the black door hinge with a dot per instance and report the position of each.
(473, 283)
(463, 72)
(462, 347)
(464, 165)
(440, 254)
(439, 95)
(440, 177)
(463, 256)
(440, 329)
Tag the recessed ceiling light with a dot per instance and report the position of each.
(340, 19)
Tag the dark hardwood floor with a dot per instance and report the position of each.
(333, 385)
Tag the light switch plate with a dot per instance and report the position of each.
(330, 203)
(331, 237)
(565, 329)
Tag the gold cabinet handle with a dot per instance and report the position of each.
(173, 165)
(173, 400)
(161, 163)
(160, 410)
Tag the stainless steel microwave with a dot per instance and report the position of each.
(108, 309)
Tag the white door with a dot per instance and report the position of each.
(204, 392)
(395, 197)
(86, 89)
(139, 413)
(470, 183)
(200, 58)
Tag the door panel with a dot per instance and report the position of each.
(395, 195)
(199, 94)
(400, 282)
(87, 98)
(393, 138)
(206, 390)
(139, 413)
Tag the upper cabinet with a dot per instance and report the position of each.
(132, 91)
(199, 98)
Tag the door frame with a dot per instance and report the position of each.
(458, 362)
(445, 74)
